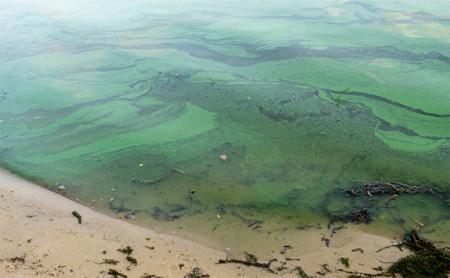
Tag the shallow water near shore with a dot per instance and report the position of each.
(232, 124)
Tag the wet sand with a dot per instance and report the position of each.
(40, 237)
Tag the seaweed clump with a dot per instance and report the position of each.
(131, 260)
(116, 274)
(427, 261)
(109, 261)
(345, 262)
(128, 250)
(196, 273)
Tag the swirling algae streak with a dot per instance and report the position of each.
(194, 121)
(293, 51)
(373, 76)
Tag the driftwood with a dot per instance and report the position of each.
(414, 241)
(390, 199)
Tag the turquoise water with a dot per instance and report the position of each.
(130, 106)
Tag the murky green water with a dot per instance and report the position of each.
(130, 105)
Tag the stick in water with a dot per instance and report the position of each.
(390, 199)
(191, 198)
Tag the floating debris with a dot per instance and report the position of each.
(389, 200)
(361, 216)
(130, 216)
(176, 170)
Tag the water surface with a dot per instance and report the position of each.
(131, 105)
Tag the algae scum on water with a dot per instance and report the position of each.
(229, 117)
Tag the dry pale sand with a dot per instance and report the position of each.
(39, 237)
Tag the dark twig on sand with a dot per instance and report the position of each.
(77, 215)
(116, 274)
(250, 260)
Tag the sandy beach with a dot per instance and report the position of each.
(40, 237)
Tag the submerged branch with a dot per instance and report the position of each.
(395, 188)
